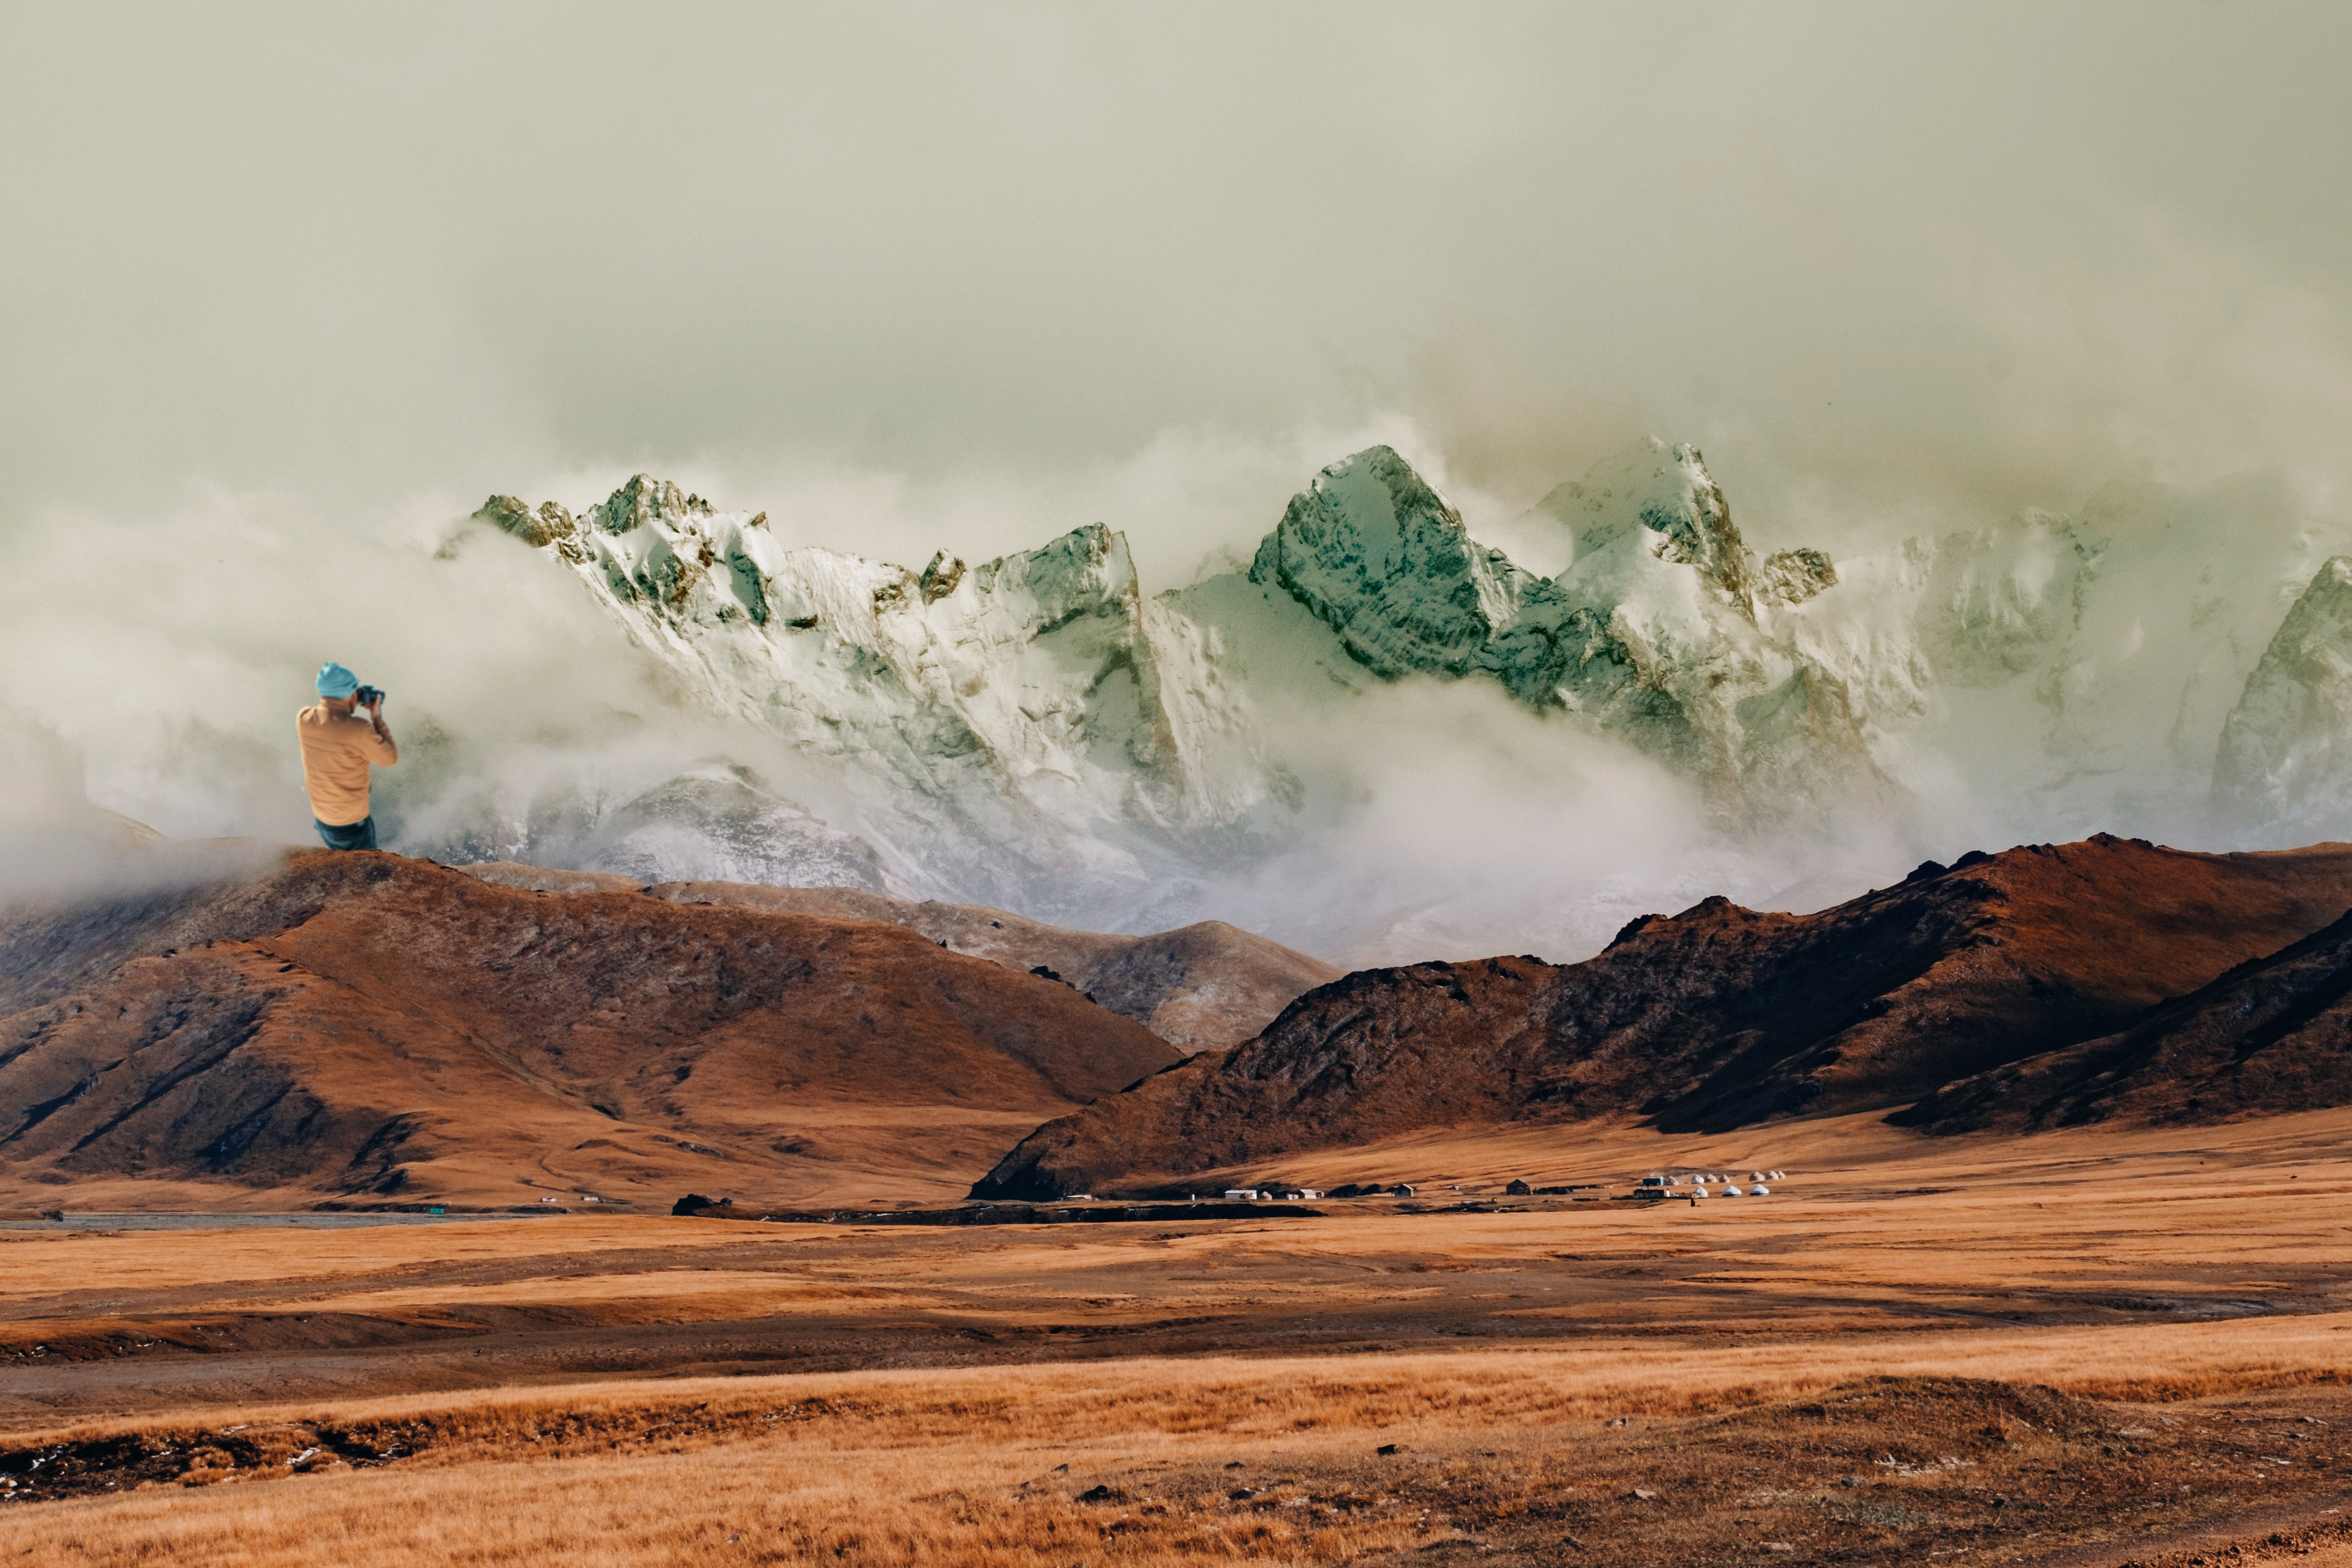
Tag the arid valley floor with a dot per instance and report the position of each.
(2077, 1348)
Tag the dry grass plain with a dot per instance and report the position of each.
(2086, 1349)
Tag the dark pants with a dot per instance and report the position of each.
(358, 835)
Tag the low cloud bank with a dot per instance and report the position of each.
(1431, 820)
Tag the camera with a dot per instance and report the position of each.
(369, 695)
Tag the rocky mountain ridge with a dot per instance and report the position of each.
(1657, 633)
(1722, 1017)
(1036, 724)
(2273, 1033)
(1037, 732)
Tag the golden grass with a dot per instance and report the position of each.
(1255, 1397)
(39, 1261)
(742, 1504)
(932, 1467)
(1694, 1324)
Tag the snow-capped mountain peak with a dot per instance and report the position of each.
(646, 501)
(1037, 731)
(1663, 490)
(1381, 559)
(1030, 709)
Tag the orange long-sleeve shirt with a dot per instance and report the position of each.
(336, 753)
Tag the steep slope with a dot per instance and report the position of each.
(364, 1027)
(1005, 725)
(1041, 732)
(1036, 732)
(2272, 1034)
(1653, 633)
(1380, 558)
(1718, 1017)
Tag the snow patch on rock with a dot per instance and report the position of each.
(2286, 755)
(1038, 732)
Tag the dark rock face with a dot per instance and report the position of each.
(1718, 1017)
(544, 526)
(1381, 559)
(1793, 576)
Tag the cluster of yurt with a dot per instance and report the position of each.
(1705, 1184)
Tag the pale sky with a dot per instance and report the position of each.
(1865, 254)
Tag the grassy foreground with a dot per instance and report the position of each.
(2069, 1351)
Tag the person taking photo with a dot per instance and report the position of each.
(338, 749)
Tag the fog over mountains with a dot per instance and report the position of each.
(1681, 714)
(2020, 376)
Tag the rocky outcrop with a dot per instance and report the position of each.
(1793, 576)
(2286, 748)
(544, 526)
(1717, 1017)
(1651, 634)
(645, 502)
(1375, 553)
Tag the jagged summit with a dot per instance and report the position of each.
(1040, 731)
(1664, 490)
(1377, 555)
(1060, 733)
(643, 500)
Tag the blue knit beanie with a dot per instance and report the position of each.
(334, 680)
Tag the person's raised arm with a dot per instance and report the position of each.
(385, 743)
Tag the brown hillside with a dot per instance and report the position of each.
(366, 1028)
(2272, 1034)
(1719, 1016)
(1204, 984)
